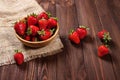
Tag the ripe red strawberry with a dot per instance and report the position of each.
(102, 50)
(100, 34)
(52, 22)
(74, 37)
(27, 37)
(82, 31)
(32, 20)
(19, 57)
(43, 23)
(43, 15)
(32, 30)
(104, 36)
(44, 34)
(20, 28)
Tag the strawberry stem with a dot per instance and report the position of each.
(17, 51)
(49, 14)
(52, 31)
(29, 32)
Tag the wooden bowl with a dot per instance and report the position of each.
(38, 43)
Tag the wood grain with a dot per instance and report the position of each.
(76, 62)
(73, 62)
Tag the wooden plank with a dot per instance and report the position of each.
(96, 67)
(29, 71)
(12, 72)
(108, 21)
(70, 64)
(48, 70)
(88, 51)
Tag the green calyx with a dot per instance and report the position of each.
(17, 51)
(85, 27)
(32, 14)
(55, 18)
(29, 31)
(71, 31)
(49, 14)
(52, 31)
(42, 32)
(106, 37)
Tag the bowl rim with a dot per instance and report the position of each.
(56, 32)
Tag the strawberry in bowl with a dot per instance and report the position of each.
(36, 30)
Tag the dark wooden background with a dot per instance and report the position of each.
(76, 62)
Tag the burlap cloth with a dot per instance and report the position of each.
(10, 11)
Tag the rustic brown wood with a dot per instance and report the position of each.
(76, 62)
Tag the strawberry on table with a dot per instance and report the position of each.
(31, 19)
(103, 50)
(101, 33)
(32, 30)
(104, 36)
(19, 57)
(43, 23)
(52, 22)
(43, 15)
(44, 34)
(20, 28)
(74, 37)
(82, 31)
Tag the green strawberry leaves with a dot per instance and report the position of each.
(106, 38)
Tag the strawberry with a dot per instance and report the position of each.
(32, 30)
(32, 20)
(100, 34)
(44, 34)
(82, 31)
(27, 37)
(19, 57)
(74, 37)
(102, 50)
(20, 28)
(52, 22)
(43, 15)
(104, 36)
(43, 23)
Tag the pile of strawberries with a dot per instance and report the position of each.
(81, 32)
(105, 38)
(42, 26)
(77, 35)
(36, 27)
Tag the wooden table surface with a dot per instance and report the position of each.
(76, 62)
